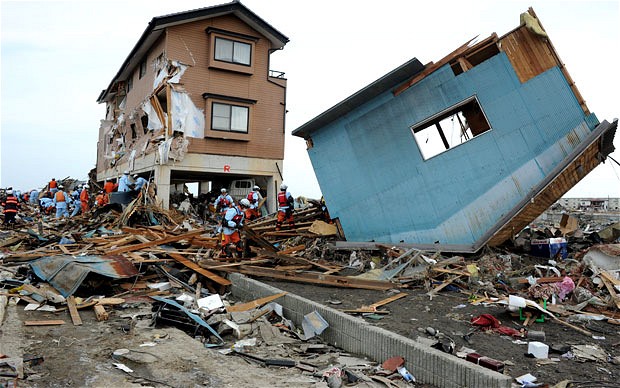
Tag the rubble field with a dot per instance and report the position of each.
(135, 295)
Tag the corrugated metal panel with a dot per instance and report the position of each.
(65, 273)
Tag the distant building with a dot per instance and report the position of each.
(590, 204)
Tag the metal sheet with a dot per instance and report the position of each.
(66, 273)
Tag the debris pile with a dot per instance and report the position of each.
(170, 263)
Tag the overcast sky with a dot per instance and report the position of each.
(57, 56)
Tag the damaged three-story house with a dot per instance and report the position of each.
(196, 101)
(459, 153)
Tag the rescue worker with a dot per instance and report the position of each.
(34, 196)
(53, 186)
(61, 201)
(286, 203)
(123, 182)
(77, 204)
(109, 186)
(223, 201)
(231, 223)
(47, 204)
(84, 198)
(254, 197)
(139, 182)
(101, 199)
(10, 205)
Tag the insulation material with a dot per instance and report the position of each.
(176, 78)
(186, 117)
(154, 122)
(163, 149)
(161, 75)
(132, 157)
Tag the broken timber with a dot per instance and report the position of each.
(136, 247)
(314, 278)
(195, 267)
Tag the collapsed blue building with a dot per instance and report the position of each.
(460, 153)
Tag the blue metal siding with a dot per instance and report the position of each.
(374, 178)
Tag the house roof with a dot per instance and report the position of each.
(383, 84)
(158, 25)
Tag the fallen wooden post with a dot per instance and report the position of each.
(73, 311)
(255, 303)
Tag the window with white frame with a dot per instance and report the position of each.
(232, 118)
(451, 127)
(233, 51)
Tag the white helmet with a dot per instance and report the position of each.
(85, 186)
(223, 190)
(9, 192)
(256, 188)
(244, 202)
(283, 187)
(125, 172)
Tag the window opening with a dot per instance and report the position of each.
(233, 118)
(447, 129)
(133, 130)
(130, 83)
(232, 51)
(142, 68)
(144, 120)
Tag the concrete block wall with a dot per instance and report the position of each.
(355, 335)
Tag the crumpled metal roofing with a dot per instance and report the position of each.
(66, 273)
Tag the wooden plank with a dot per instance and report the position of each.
(73, 311)
(255, 303)
(373, 307)
(49, 322)
(109, 301)
(195, 267)
(315, 278)
(442, 285)
(64, 249)
(610, 288)
(137, 247)
(388, 300)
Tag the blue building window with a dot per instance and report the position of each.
(451, 127)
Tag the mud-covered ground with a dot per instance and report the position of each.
(450, 313)
(83, 356)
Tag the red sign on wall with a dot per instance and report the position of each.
(226, 168)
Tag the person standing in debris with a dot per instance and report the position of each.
(139, 182)
(286, 204)
(231, 223)
(61, 201)
(109, 186)
(123, 182)
(223, 202)
(77, 204)
(254, 197)
(53, 186)
(84, 198)
(34, 196)
(10, 205)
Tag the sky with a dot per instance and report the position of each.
(57, 56)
